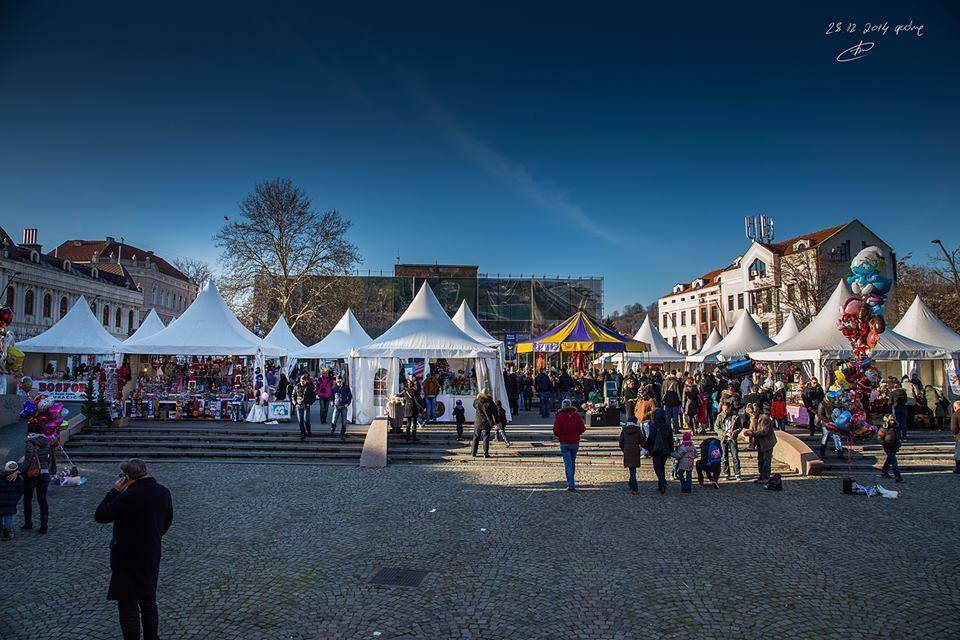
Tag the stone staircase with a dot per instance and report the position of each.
(531, 445)
(922, 451)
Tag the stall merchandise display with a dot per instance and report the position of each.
(181, 388)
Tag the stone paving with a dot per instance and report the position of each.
(285, 552)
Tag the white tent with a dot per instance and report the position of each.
(658, 350)
(468, 323)
(712, 340)
(790, 328)
(206, 328)
(921, 324)
(78, 332)
(423, 331)
(282, 336)
(150, 325)
(821, 340)
(342, 339)
(745, 336)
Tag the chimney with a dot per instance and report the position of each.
(30, 240)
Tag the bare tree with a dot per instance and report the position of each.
(934, 282)
(198, 271)
(632, 316)
(281, 256)
(807, 280)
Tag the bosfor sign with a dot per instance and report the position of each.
(65, 390)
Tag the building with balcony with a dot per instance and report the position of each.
(769, 280)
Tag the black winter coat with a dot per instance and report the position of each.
(411, 403)
(486, 416)
(10, 494)
(140, 516)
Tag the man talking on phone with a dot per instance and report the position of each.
(141, 511)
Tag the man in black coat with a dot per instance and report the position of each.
(412, 407)
(141, 511)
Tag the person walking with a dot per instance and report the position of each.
(431, 388)
(936, 405)
(778, 405)
(512, 383)
(568, 426)
(303, 396)
(691, 404)
(459, 414)
(710, 461)
(727, 427)
(501, 424)
(141, 511)
(283, 386)
(660, 446)
(412, 408)
(685, 455)
(890, 437)
(763, 439)
(38, 464)
(527, 390)
(631, 442)
(670, 393)
(899, 399)
(324, 389)
(812, 396)
(342, 397)
(11, 490)
(486, 418)
(543, 386)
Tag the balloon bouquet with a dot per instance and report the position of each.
(45, 416)
(861, 322)
(11, 358)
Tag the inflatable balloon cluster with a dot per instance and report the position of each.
(11, 358)
(861, 322)
(45, 416)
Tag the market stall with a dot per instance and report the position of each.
(744, 337)
(150, 325)
(336, 346)
(790, 328)
(423, 339)
(658, 353)
(921, 324)
(468, 323)
(713, 339)
(204, 365)
(282, 337)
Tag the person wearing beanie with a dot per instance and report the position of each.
(459, 414)
(568, 426)
(632, 441)
(660, 446)
(11, 489)
(889, 436)
(686, 455)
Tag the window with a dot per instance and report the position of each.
(683, 318)
(130, 321)
(693, 342)
(63, 306)
(11, 294)
(673, 317)
(730, 302)
(739, 301)
(28, 303)
(713, 313)
(47, 305)
(673, 342)
(767, 299)
(106, 315)
(153, 297)
(664, 323)
(758, 269)
(117, 318)
(380, 383)
(683, 343)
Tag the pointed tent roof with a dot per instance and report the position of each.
(921, 324)
(712, 340)
(658, 349)
(77, 332)
(344, 337)
(150, 325)
(468, 323)
(745, 336)
(206, 328)
(821, 339)
(790, 328)
(282, 336)
(424, 331)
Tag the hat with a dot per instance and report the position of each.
(778, 385)
(11, 466)
(566, 403)
(687, 438)
(459, 402)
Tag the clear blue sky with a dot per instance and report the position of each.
(599, 138)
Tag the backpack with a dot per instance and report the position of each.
(714, 453)
(775, 483)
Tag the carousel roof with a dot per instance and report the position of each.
(345, 336)
(77, 332)
(581, 332)
(282, 336)
(150, 325)
(921, 324)
(206, 328)
(468, 323)
(424, 331)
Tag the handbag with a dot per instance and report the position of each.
(33, 469)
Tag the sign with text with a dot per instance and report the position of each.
(64, 390)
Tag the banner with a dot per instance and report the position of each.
(65, 390)
(953, 379)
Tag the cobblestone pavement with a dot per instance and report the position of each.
(285, 552)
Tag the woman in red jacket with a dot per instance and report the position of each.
(568, 427)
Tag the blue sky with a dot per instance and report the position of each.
(604, 139)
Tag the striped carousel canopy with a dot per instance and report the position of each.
(581, 333)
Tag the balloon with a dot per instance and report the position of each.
(26, 383)
(28, 409)
(6, 317)
(878, 324)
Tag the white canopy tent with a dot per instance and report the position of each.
(658, 350)
(468, 323)
(744, 337)
(921, 324)
(423, 331)
(78, 332)
(150, 325)
(821, 341)
(790, 328)
(282, 336)
(206, 328)
(346, 336)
